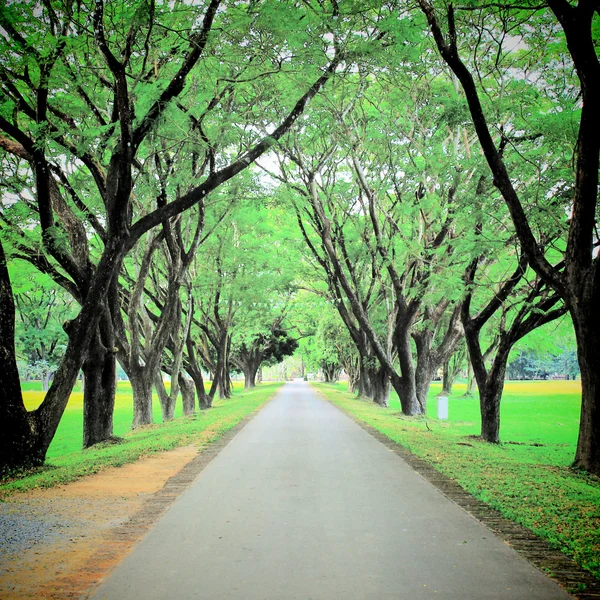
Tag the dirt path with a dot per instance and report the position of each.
(50, 538)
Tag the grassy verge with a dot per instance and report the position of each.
(527, 477)
(67, 462)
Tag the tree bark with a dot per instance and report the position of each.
(250, 377)
(586, 321)
(167, 400)
(448, 376)
(141, 385)
(99, 371)
(491, 387)
(195, 372)
(188, 395)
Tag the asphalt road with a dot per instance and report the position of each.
(303, 504)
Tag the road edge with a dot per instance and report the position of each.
(550, 561)
(121, 540)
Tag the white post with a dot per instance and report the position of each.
(442, 407)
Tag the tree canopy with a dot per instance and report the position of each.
(210, 186)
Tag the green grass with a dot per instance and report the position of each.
(527, 477)
(67, 462)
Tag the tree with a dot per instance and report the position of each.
(270, 348)
(524, 305)
(576, 276)
(140, 72)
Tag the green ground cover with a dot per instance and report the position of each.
(527, 477)
(67, 462)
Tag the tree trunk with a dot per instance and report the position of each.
(490, 395)
(378, 386)
(407, 390)
(18, 446)
(141, 384)
(195, 372)
(471, 383)
(188, 395)
(373, 382)
(167, 400)
(586, 320)
(490, 383)
(99, 389)
(250, 378)
(204, 399)
(249, 362)
(424, 373)
(448, 376)
(222, 375)
(331, 372)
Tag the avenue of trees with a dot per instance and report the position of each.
(392, 189)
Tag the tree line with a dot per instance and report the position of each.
(430, 170)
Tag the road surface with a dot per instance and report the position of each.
(304, 504)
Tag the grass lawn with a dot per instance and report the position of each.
(66, 460)
(527, 477)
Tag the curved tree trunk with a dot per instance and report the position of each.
(25, 436)
(195, 372)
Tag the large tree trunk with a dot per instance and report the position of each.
(373, 382)
(249, 362)
(204, 399)
(99, 372)
(490, 382)
(18, 446)
(407, 390)
(490, 395)
(188, 396)
(250, 377)
(586, 320)
(141, 384)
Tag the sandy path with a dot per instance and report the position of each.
(59, 542)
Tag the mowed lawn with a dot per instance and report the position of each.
(67, 461)
(527, 477)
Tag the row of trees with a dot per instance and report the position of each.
(120, 139)
(440, 164)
